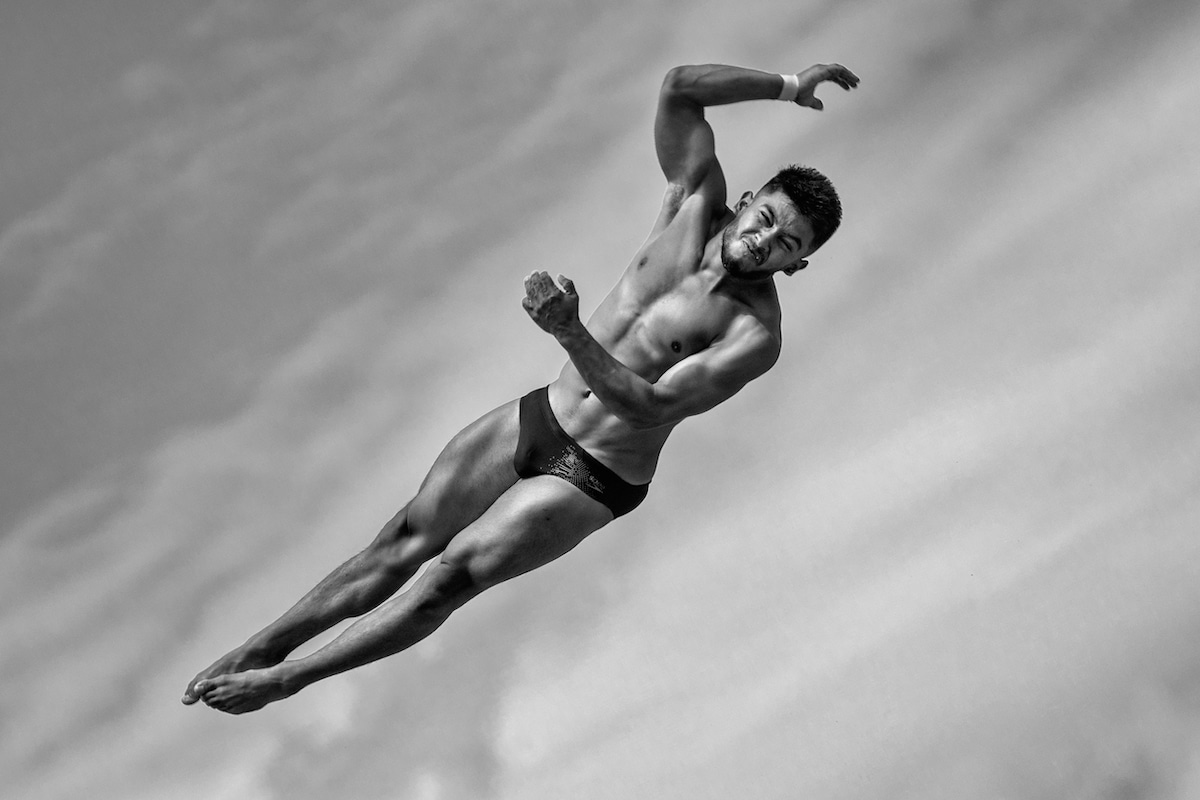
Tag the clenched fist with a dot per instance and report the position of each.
(554, 309)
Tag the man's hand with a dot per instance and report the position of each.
(817, 74)
(555, 310)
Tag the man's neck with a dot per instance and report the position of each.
(722, 281)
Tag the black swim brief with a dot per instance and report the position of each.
(544, 448)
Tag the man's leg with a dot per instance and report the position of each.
(472, 471)
(534, 522)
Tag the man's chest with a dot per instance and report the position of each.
(680, 317)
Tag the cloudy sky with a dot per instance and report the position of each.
(259, 260)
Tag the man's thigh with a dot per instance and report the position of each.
(472, 471)
(531, 524)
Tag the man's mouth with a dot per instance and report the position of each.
(755, 253)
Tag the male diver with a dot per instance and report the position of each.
(693, 319)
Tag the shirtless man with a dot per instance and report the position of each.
(693, 319)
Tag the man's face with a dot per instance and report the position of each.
(767, 235)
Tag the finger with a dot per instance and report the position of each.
(847, 76)
(567, 284)
(812, 102)
(839, 80)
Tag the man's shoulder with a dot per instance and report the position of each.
(756, 334)
(762, 305)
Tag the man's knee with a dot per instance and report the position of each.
(449, 583)
(400, 545)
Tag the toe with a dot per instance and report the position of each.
(190, 695)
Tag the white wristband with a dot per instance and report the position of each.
(791, 88)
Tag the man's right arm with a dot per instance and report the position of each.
(684, 139)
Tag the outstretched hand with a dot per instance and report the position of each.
(818, 74)
(554, 309)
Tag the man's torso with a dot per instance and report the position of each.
(665, 307)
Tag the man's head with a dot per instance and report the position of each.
(776, 229)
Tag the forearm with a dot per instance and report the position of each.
(720, 84)
(620, 389)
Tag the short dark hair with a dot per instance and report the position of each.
(813, 196)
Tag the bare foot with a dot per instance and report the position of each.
(239, 692)
(239, 660)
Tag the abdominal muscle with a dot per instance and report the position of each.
(629, 452)
(630, 333)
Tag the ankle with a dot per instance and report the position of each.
(292, 676)
(261, 649)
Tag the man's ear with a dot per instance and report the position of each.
(792, 269)
(744, 200)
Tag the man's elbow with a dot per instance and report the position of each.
(679, 81)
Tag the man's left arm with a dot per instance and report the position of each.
(694, 385)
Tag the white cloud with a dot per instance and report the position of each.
(973, 434)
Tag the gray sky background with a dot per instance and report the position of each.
(259, 260)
